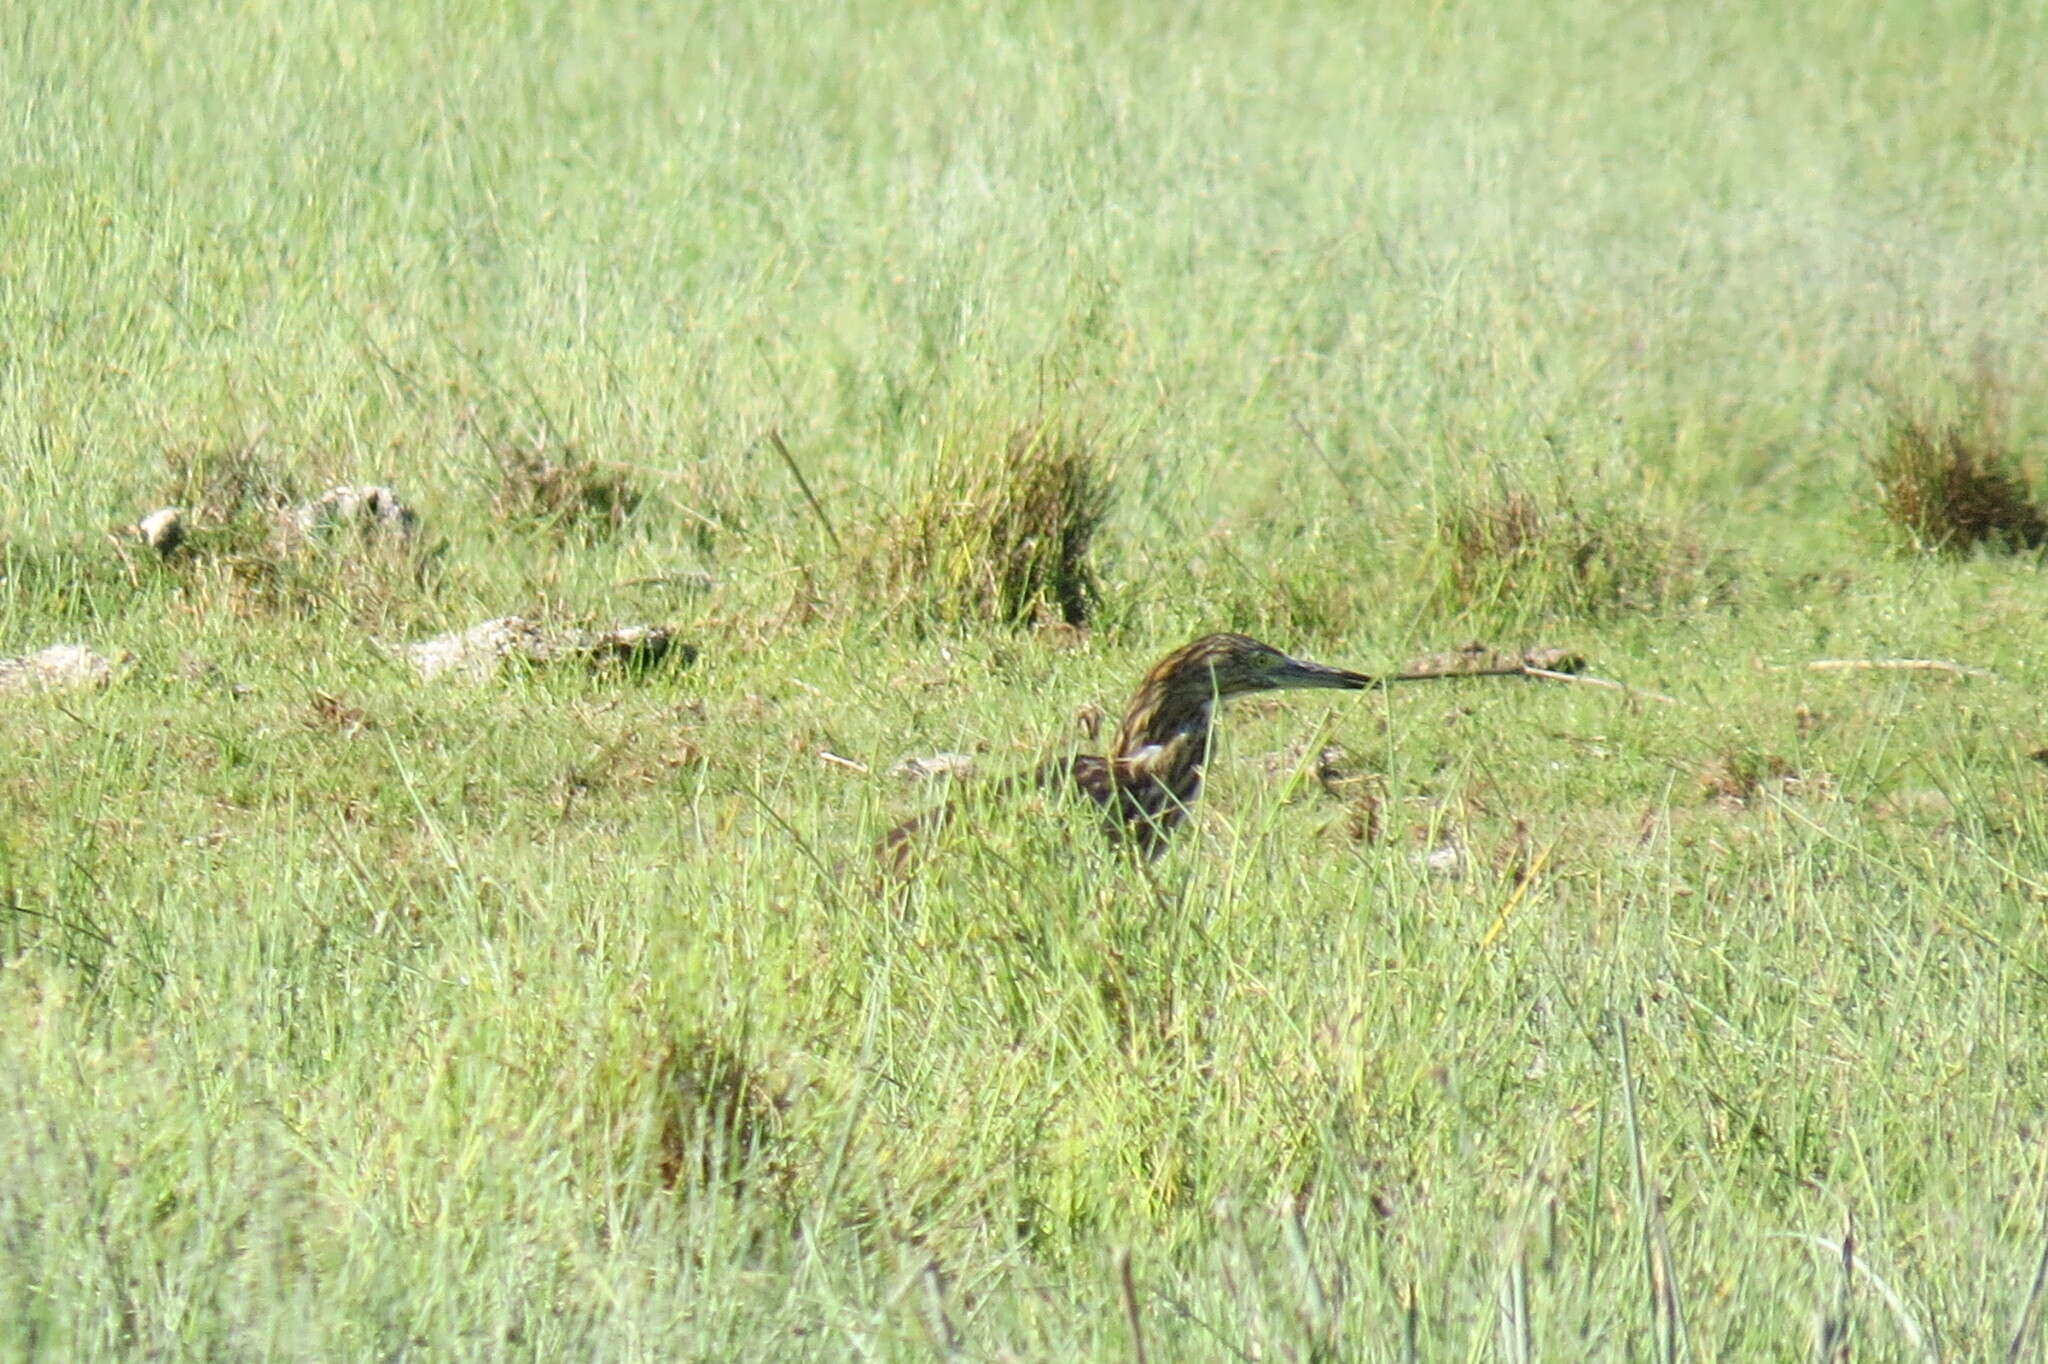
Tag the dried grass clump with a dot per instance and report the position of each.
(1531, 557)
(237, 533)
(1734, 779)
(1005, 538)
(557, 490)
(721, 1120)
(234, 485)
(217, 503)
(239, 501)
(1947, 487)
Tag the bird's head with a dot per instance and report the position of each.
(1222, 666)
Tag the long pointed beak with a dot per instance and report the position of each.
(1296, 673)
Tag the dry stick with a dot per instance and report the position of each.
(1446, 674)
(1921, 1340)
(1129, 1289)
(1525, 667)
(1918, 665)
(775, 439)
(1453, 673)
(1834, 1331)
(935, 1304)
(1583, 681)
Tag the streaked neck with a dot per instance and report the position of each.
(1159, 723)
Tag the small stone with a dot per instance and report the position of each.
(632, 646)
(479, 652)
(1446, 859)
(61, 667)
(371, 509)
(934, 765)
(162, 530)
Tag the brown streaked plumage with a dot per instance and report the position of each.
(1153, 770)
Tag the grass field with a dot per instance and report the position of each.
(564, 1016)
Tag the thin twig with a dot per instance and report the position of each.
(1583, 680)
(1450, 674)
(1834, 1332)
(935, 1303)
(1914, 665)
(826, 755)
(796, 472)
(1129, 1288)
(1921, 1339)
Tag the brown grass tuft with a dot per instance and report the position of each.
(1732, 780)
(1005, 536)
(1948, 486)
(720, 1119)
(1533, 557)
(330, 712)
(227, 485)
(238, 536)
(554, 488)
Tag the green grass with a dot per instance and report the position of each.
(564, 1017)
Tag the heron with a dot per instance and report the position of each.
(1147, 781)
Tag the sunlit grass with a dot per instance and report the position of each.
(567, 1015)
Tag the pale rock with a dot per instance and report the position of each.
(61, 667)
